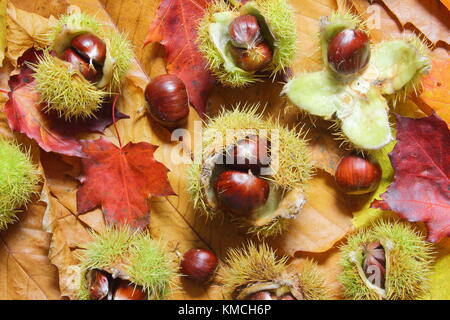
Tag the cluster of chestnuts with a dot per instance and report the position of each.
(168, 101)
(239, 189)
(247, 46)
(102, 286)
(86, 54)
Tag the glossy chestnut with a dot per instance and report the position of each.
(168, 100)
(98, 282)
(349, 51)
(199, 264)
(91, 48)
(254, 59)
(241, 193)
(251, 153)
(125, 290)
(87, 70)
(357, 175)
(245, 32)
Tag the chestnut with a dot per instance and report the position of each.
(254, 59)
(245, 32)
(168, 100)
(261, 295)
(349, 51)
(251, 153)
(357, 175)
(198, 264)
(98, 284)
(241, 193)
(125, 290)
(91, 48)
(87, 70)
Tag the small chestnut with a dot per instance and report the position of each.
(251, 153)
(349, 51)
(245, 32)
(241, 193)
(260, 295)
(357, 175)
(87, 70)
(91, 48)
(168, 100)
(98, 284)
(253, 59)
(125, 290)
(199, 264)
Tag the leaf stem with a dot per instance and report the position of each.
(114, 118)
(4, 91)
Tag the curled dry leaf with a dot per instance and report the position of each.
(430, 17)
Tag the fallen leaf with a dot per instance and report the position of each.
(25, 30)
(121, 180)
(2, 30)
(436, 88)
(420, 191)
(175, 27)
(25, 115)
(430, 17)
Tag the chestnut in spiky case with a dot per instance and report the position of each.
(128, 255)
(19, 180)
(255, 272)
(286, 173)
(277, 28)
(390, 260)
(103, 55)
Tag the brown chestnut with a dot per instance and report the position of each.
(87, 70)
(349, 51)
(91, 48)
(241, 193)
(245, 32)
(251, 153)
(254, 59)
(267, 295)
(168, 100)
(199, 264)
(125, 290)
(357, 175)
(98, 282)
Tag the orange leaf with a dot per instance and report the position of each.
(436, 89)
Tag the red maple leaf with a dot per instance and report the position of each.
(25, 114)
(121, 180)
(175, 27)
(421, 187)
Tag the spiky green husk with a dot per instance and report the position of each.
(250, 265)
(71, 96)
(66, 91)
(259, 264)
(408, 262)
(19, 180)
(276, 14)
(313, 283)
(141, 258)
(292, 166)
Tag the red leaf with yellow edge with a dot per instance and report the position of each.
(121, 180)
(421, 187)
(437, 88)
(175, 27)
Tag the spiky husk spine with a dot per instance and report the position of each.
(408, 262)
(72, 96)
(277, 14)
(259, 264)
(143, 260)
(293, 171)
(19, 180)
